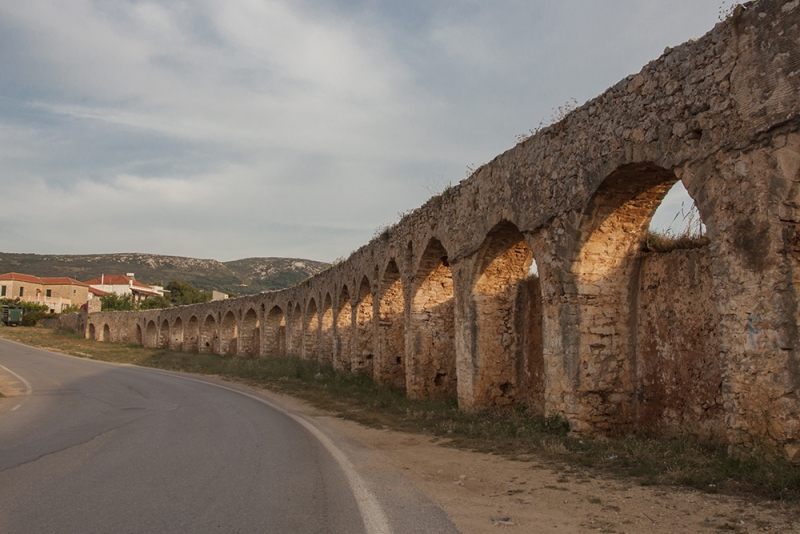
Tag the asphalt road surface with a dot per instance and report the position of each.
(93, 447)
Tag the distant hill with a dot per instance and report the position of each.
(244, 277)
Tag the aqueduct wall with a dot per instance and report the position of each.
(443, 303)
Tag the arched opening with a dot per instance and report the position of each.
(344, 331)
(106, 333)
(312, 331)
(327, 348)
(648, 351)
(163, 335)
(151, 335)
(91, 332)
(176, 339)
(139, 339)
(192, 335)
(676, 223)
(431, 364)
(507, 351)
(362, 358)
(390, 368)
(228, 334)
(208, 335)
(275, 332)
(251, 334)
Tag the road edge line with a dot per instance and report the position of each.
(27, 384)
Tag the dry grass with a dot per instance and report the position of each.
(686, 231)
(514, 434)
(664, 242)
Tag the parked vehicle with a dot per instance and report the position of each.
(12, 315)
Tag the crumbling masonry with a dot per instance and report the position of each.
(445, 303)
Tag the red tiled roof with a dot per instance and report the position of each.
(21, 278)
(63, 281)
(95, 291)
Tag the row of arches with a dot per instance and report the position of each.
(527, 282)
(496, 327)
(483, 328)
(213, 333)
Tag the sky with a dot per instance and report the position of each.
(228, 129)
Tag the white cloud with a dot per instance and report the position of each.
(247, 128)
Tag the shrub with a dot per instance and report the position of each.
(32, 317)
(154, 303)
(114, 302)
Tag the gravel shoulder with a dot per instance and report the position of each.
(479, 491)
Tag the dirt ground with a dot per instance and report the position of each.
(486, 493)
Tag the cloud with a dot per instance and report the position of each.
(241, 128)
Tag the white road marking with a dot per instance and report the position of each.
(375, 521)
(15, 407)
(27, 384)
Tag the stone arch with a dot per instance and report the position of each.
(139, 338)
(311, 338)
(430, 342)
(163, 335)
(228, 334)
(106, 333)
(91, 331)
(328, 346)
(176, 337)
(390, 366)
(250, 337)
(192, 335)
(275, 332)
(151, 335)
(344, 331)
(626, 374)
(362, 358)
(505, 367)
(208, 334)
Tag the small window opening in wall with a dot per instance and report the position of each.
(2, 291)
(534, 269)
(21, 291)
(48, 293)
(676, 224)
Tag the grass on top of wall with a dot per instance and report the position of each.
(666, 242)
(515, 434)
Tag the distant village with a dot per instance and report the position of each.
(62, 293)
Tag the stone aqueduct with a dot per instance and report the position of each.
(445, 303)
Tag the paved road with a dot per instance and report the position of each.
(103, 448)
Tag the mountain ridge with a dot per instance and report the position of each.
(246, 276)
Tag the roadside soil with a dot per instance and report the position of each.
(486, 493)
(9, 385)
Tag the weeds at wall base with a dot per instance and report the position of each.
(512, 433)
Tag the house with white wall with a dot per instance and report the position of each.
(125, 284)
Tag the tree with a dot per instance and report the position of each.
(182, 293)
(114, 302)
(154, 303)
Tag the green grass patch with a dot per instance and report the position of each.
(515, 434)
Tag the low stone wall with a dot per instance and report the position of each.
(75, 322)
